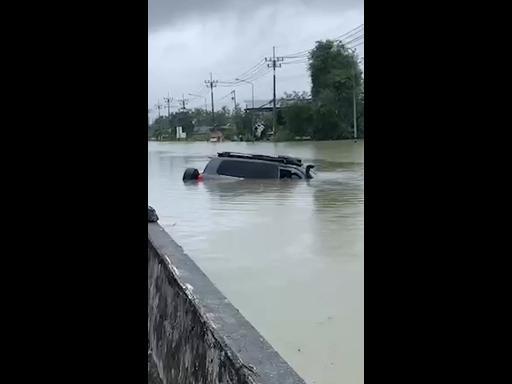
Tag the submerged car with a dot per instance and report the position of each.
(250, 166)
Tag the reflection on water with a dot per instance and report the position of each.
(288, 254)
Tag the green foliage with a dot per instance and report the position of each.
(201, 117)
(299, 119)
(222, 116)
(243, 123)
(333, 67)
(360, 118)
(184, 120)
(329, 112)
(336, 79)
(280, 120)
(267, 122)
(161, 129)
(283, 134)
(327, 123)
(296, 96)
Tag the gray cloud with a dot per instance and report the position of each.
(162, 13)
(189, 39)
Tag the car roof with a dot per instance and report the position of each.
(250, 156)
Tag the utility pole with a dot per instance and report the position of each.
(234, 98)
(183, 101)
(210, 84)
(159, 107)
(168, 100)
(356, 62)
(274, 63)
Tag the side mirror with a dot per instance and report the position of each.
(308, 171)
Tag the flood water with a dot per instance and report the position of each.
(287, 254)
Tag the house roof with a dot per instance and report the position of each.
(202, 129)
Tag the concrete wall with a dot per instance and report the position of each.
(195, 334)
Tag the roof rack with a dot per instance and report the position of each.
(278, 159)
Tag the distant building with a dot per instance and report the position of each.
(202, 129)
(180, 134)
(261, 106)
(216, 136)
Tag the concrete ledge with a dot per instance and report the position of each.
(153, 375)
(195, 333)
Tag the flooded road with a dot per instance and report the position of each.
(288, 255)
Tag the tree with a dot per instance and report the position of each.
(184, 120)
(335, 77)
(299, 118)
(201, 117)
(327, 123)
(242, 122)
(222, 116)
(295, 96)
(360, 116)
(161, 128)
(280, 120)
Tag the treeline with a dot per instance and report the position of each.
(327, 113)
(324, 113)
(234, 123)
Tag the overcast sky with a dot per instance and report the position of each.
(188, 39)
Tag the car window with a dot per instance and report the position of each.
(248, 169)
(211, 166)
(288, 174)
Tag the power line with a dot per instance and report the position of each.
(296, 62)
(255, 69)
(353, 40)
(254, 76)
(297, 54)
(338, 38)
(348, 39)
(226, 95)
(168, 101)
(257, 76)
(258, 64)
(159, 107)
(258, 70)
(183, 101)
(346, 33)
(201, 92)
(305, 55)
(357, 45)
